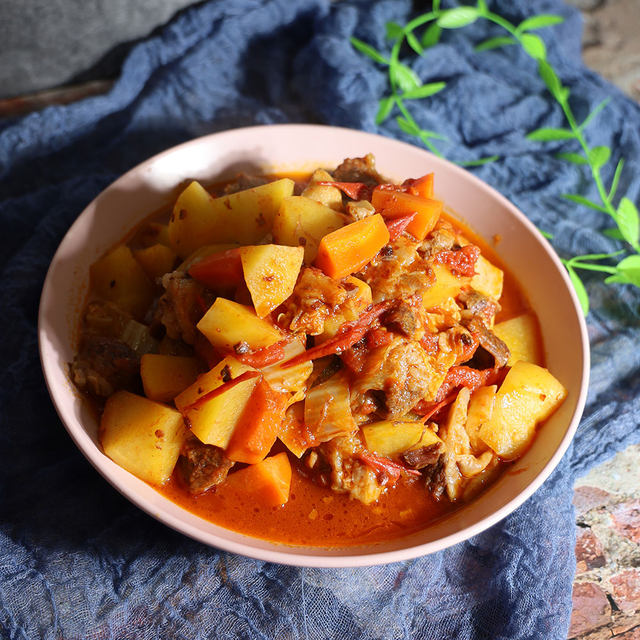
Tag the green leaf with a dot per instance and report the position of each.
(630, 268)
(494, 43)
(599, 156)
(594, 256)
(458, 17)
(426, 134)
(534, 46)
(546, 234)
(393, 30)
(425, 90)
(582, 200)
(628, 221)
(408, 127)
(537, 22)
(384, 108)
(616, 178)
(595, 112)
(479, 162)
(563, 94)
(549, 77)
(615, 234)
(414, 43)
(575, 158)
(547, 133)
(619, 278)
(368, 50)
(435, 5)
(404, 77)
(581, 292)
(431, 36)
(482, 7)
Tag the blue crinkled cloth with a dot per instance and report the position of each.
(77, 561)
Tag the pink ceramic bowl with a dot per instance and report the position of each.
(154, 185)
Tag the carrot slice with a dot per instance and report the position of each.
(219, 270)
(259, 425)
(422, 187)
(348, 249)
(268, 482)
(396, 204)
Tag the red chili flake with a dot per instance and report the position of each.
(384, 466)
(348, 334)
(354, 190)
(214, 393)
(263, 357)
(470, 378)
(378, 338)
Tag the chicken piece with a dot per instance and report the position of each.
(244, 181)
(398, 271)
(339, 467)
(489, 341)
(202, 466)
(402, 319)
(442, 238)
(478, 304)
(358, 170)
(315, 297)
(360, 209)
(395, 377)
(181, 306)
(105, 365)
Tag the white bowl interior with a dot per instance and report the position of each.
(153, 186)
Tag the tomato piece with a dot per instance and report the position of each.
(460, 261)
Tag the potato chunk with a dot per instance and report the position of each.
(213, 420)
(245, 217)
(156, 260)
(270, 273)
(142, 436)
(119, 278)
(324, 194)
(522, 336)
(528, 395)
(446, 286)
(390, 438)
(228, 323)
(165, 376)
(488, 279)
(303, 221)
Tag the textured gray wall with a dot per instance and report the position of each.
(46, 43)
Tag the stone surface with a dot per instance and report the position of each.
(611, 42)
(626, 590)
(586, 498)
(607, 502)
(626, 520)
(591, 609)
(46, 43)
(589, 551)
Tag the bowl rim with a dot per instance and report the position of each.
(300, 555)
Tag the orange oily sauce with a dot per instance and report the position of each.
(316, 516)
(319, 517)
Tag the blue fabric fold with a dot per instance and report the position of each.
(76, 559)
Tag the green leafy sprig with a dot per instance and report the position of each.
(425, 31)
